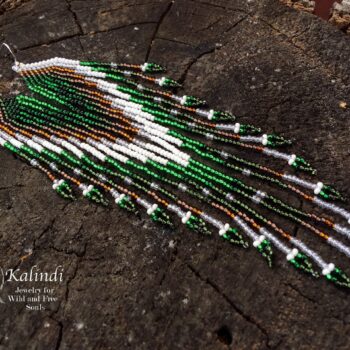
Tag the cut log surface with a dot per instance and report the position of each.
(128, 283)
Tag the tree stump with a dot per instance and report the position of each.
(129, 283)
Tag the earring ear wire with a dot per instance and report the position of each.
(16, 63)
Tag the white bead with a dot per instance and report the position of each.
(72, 148)
(289, 257)
(161, 81)
(144, 67)
(183, 100)
(292, 159)
(186, 217)
(262, 238)
(292, 254)
(33, 162)
(264, 139)
(152, 209)
(224, 229)
(119, 198)
(318, 188)
(16, 67)
(258, 241)
(327, 270)
(295, 251)
(93, 151)
(211, 114)
(53, 166)
(55, 184)
(237, 128)
(16, 143)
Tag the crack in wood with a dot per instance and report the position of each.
(59, 336)
(159, 23)
(296, 290)
(237, 309)
(124, 6)
(76, 20)
(183, 76)
(174, 41)
(81, 36)
(226, 8)
(291, 40)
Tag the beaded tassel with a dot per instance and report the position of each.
(115, 130)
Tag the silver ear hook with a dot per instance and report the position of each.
(16, 63)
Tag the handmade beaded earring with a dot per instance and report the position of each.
(115, 130)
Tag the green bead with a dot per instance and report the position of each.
(338, 277)
(301, 262)
(266, 251)
(234, 237)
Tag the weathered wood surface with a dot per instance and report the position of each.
(129, 283)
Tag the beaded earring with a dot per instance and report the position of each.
(117, 130)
